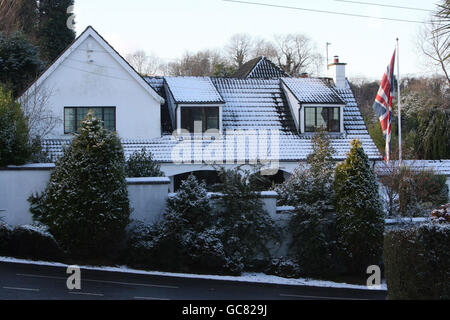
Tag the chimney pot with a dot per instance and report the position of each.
(336, 71)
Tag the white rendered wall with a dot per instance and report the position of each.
(16, 186)
(147, 196)
(91, 77)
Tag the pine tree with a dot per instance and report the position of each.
(19, 61)
(15, 147)
(310, 191)
(54, 35)
(360, 219)
(247, 227)
(187, 239)
(85, 204)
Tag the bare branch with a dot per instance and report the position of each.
(36, 108)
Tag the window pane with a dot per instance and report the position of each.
(186, 119)
(81, 114)
(309, 119)
(197, 120)
(334, 120)
(69, 120)
(322, 118)
(109, 120)
(212, 118)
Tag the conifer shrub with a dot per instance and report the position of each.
(359, 216)
(141, 164)
(186, 239)
(5, 239)
(14, 133)
(310, 191)
(417, 261)
(246, 228)
(34, 242)
(85, 204)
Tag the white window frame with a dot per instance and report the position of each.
(179, 106)
(301, 115)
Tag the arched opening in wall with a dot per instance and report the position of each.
(267, 182)
(260, 182)
(210, 177)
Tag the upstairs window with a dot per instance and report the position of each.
(322, 118)
(74, 115)
(199, 119)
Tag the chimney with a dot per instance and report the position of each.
(304, 75)
(336, 70)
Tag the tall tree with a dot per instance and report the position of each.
(55, 35)
(19, 61)
(85, 204)
(359, 216)
(434, 39)
(14, 140)
(202, 63)
(443, 15)
(239, 48)
(296, 54)
(143, 63)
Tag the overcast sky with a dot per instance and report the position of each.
(169, 28)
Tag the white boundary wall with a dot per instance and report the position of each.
(148, 196)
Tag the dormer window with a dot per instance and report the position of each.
(322, 118)
(200, 119)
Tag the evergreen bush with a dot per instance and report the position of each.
(14, 134)
(417, 262)
(359, 217)
(246, 227)
(141, 164)
(310, 191)
(5, 239)
(85, 204)
(34, 242)
(185, 240)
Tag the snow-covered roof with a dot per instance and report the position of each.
(193, 90)
(438, 166)
(313, 90)
(259, 68)
(254, 106)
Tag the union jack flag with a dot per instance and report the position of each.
(383, 104)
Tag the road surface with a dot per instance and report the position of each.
(29, 282)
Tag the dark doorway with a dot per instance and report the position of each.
(210, 177)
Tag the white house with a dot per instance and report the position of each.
(194, 124)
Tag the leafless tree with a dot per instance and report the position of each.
(434, 44)
(145, 64)
(265, 48)
(296, 53)
(239, 48)
(202, 63)
(443, 15)
(37, 110)
(9, 10)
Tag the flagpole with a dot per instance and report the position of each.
(399, 108)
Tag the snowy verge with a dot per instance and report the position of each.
(245, 277)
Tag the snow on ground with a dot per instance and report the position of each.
(245, 277)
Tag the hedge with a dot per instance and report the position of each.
(417, 262)
(29, 242)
